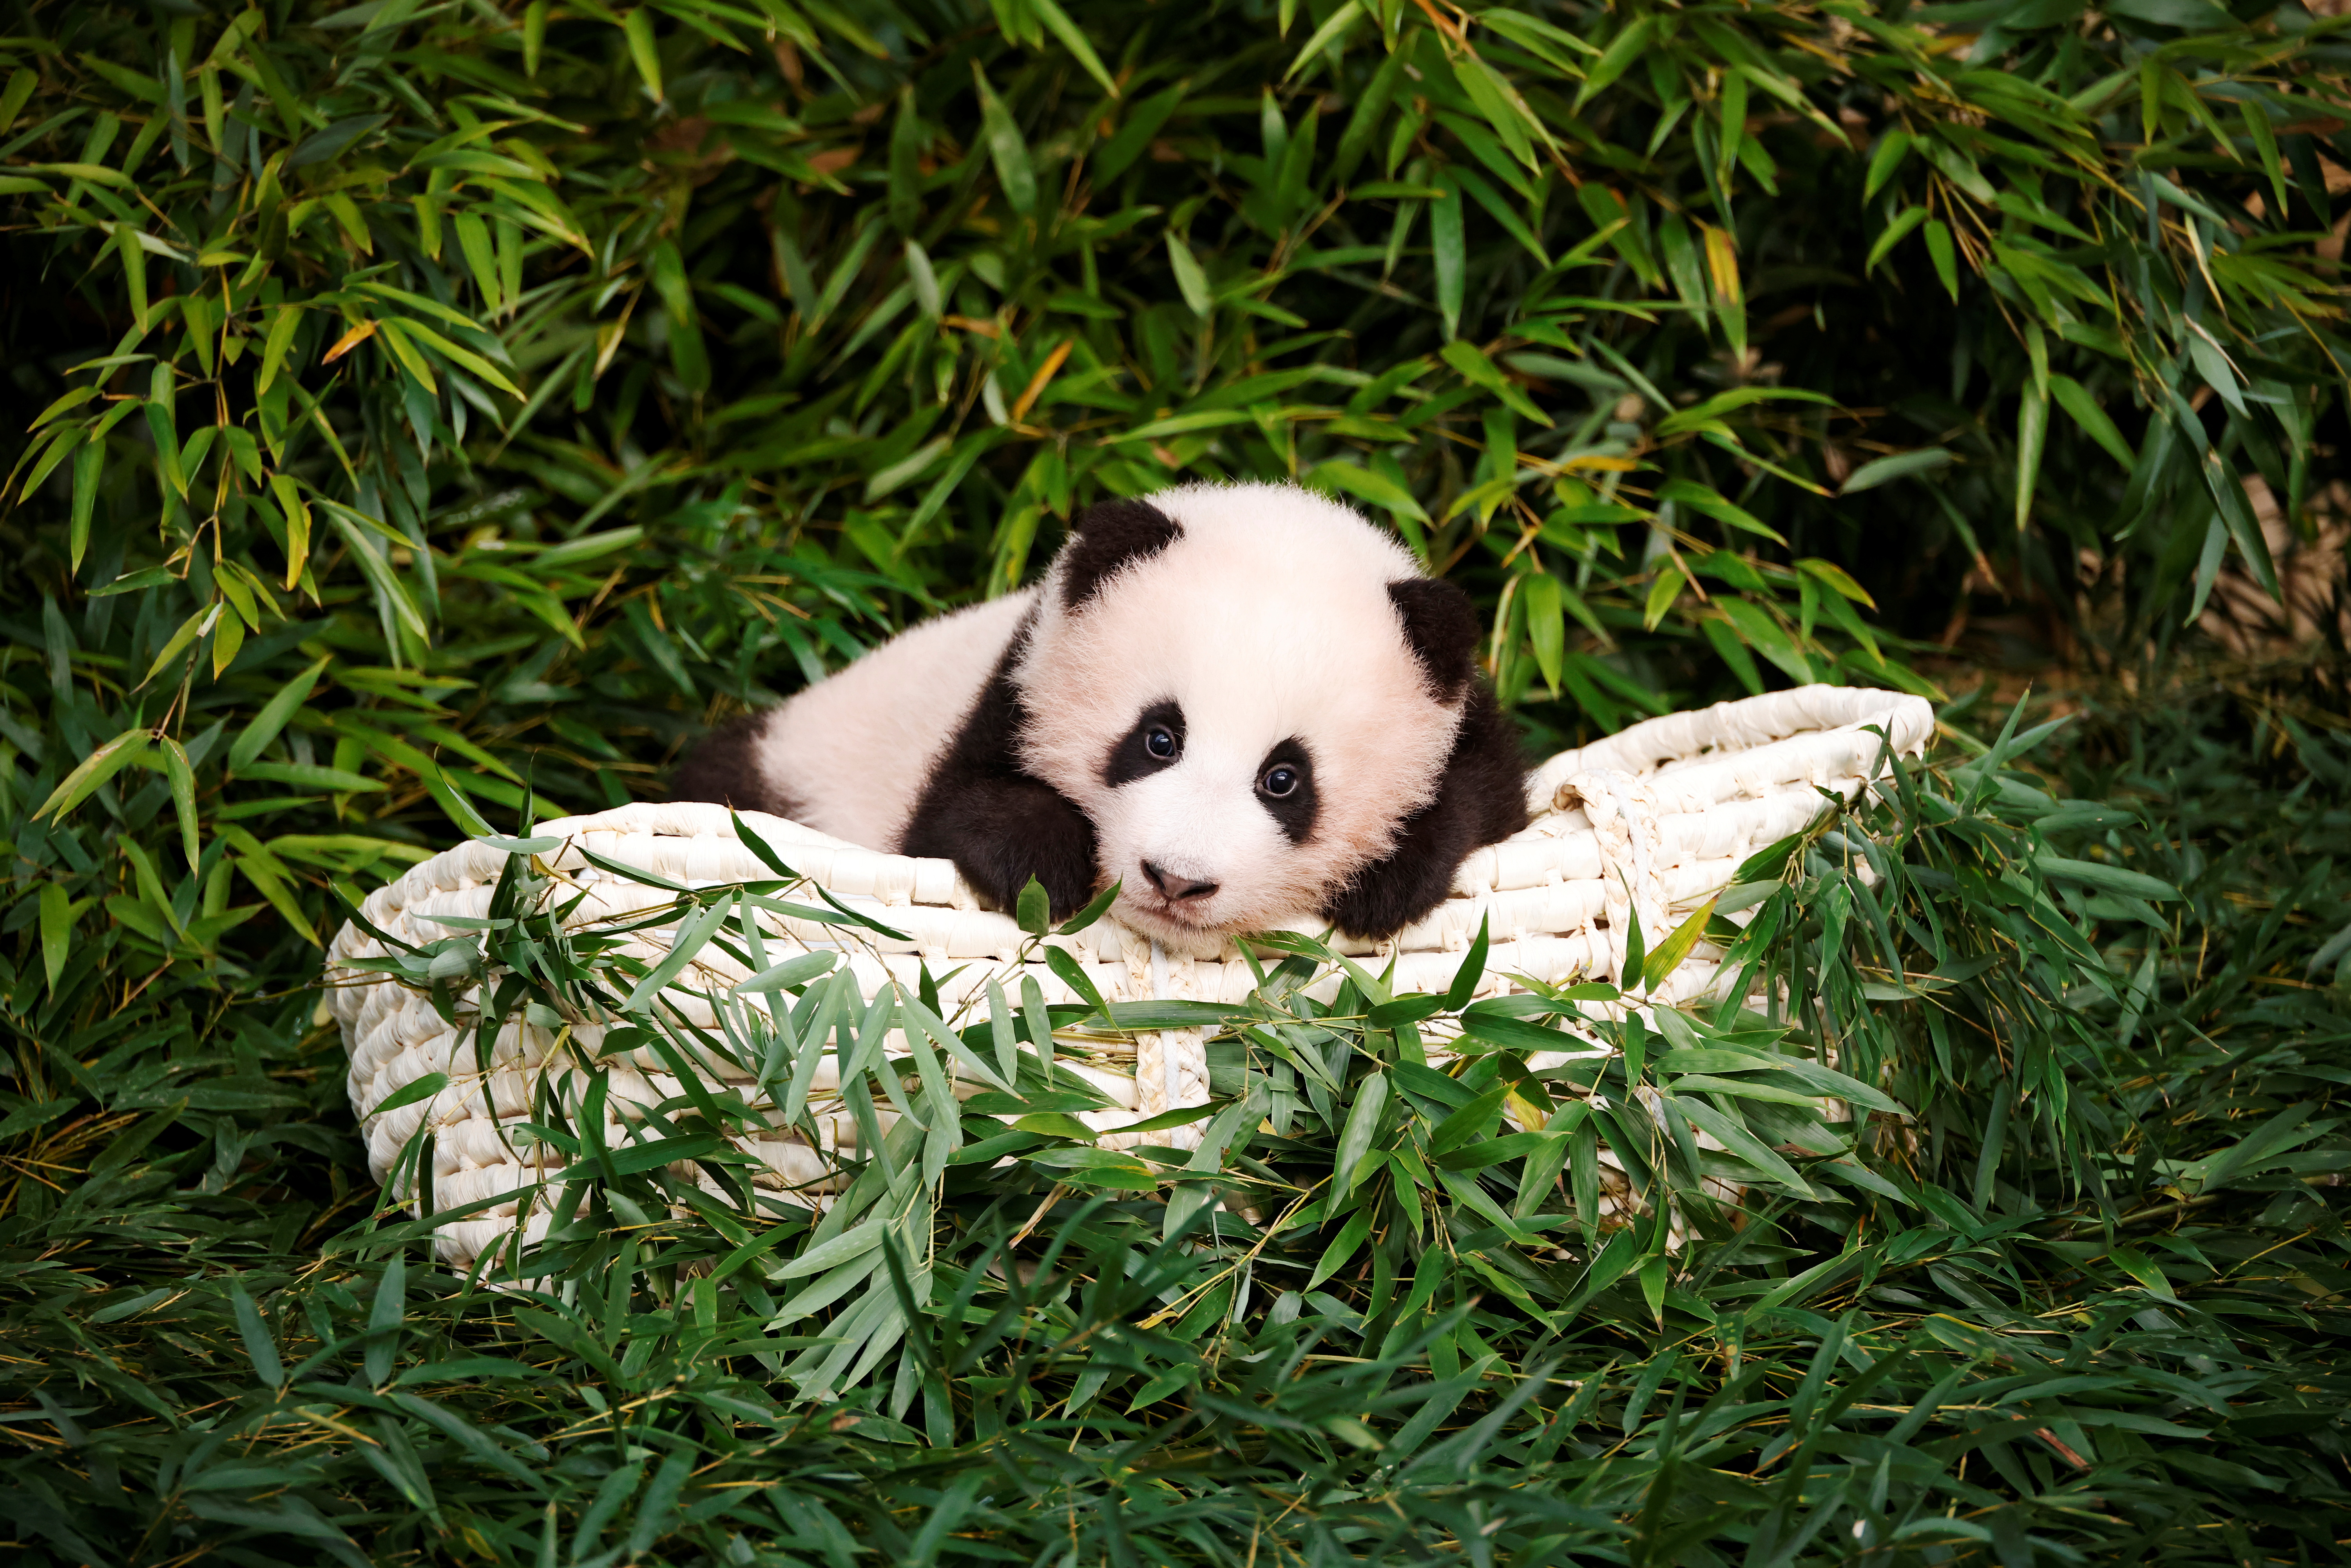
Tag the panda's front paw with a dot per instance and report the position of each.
(1040, 833)
(1069, 886)
(1001, 833)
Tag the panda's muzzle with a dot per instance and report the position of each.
(1175, 888)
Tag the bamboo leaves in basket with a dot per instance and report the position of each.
(1369, 1159)
(1600, 1130)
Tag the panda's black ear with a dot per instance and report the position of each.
(1106, 537)
(1440, 626)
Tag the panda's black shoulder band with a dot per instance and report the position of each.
(724, 767)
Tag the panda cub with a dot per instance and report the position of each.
(1243, 703)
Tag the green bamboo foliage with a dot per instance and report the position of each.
(423, 419)
(452, 305)
(1376, 1322)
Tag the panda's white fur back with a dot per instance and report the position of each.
(851, 753)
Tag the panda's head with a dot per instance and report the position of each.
(1246, 688)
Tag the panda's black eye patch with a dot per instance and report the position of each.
(1157, 741)
(1285, 787)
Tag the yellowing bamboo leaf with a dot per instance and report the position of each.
(1837, 577)
(1038, 382)
(1662, 960)
(298, 526)
(1722, 262)
(346, 343)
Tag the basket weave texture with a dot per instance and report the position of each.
(1656, 819)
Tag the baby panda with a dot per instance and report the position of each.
(1243, 703)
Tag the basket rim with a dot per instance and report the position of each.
(1704, 739)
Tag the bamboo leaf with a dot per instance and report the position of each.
(795, 970)
(259, 1348)
(1662, 593)
(1330, 32)
(181, 774)
(1946, 259)
(2077, 402)
(1896, 465)
(1009, 152)
(1622, 52)
(643, 51)
(1355, 1138)
(1034, 912)
(1892, 148)
(1057, 21)
(1365, 484)
(1546, 624)
(1734, 1135)
(1907, 220)
(56, 917)
(693, 934)
(1477, 369)
(415, 1092)
(89, 462)
(1450, 252)
(1189, 279)
(2031, 435)
(102, 764)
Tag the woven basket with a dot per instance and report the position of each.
(1655, 818)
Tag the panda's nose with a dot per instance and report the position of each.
(1175, 887)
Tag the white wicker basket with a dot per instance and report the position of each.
(1657, 816)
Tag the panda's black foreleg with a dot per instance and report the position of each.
(1000, 831)
(1001, 825)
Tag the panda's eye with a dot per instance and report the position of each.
(1160, 741)
(1279, 782)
